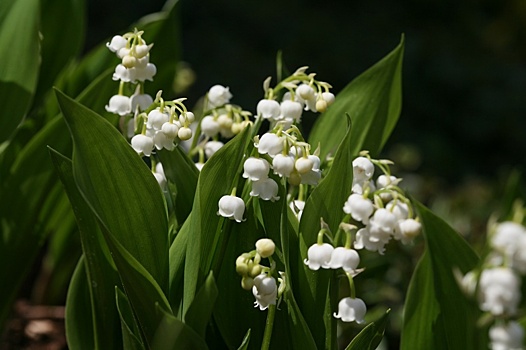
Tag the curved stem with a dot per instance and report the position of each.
(268, 327)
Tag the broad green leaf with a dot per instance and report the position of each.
(219, 175)
(142, 290)
(325, 201)
(373, 100)
(79, 318)
(245, 342)
(199, 313)
(27, 179)
(130, 330)
(100, 273)
(180, 170)
(437, 314)
(177, 255)
(174, 334)
(371, 336)
(119, 188)
(19, 43)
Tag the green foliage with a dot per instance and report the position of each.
(437, 315)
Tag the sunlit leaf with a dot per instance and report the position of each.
(373, 100)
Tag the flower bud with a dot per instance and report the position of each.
(321, 106)
(303, 165)
(129, 61)
(241, 266)
(265, 247)
(255, 270)
(247, 283)
(184, 133)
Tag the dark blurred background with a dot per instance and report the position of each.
(463, 119)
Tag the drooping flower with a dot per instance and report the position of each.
(120, 105)
(231, 207)
(209, 126)
(381, 226)
(506, 336)
(156, 119)
(142, 144)
(350, 310)
(265, 291)
(268, 109)
(363, 170)
(270, 144)
(266, 189)
(256, 168)
(291, 110)
(211, 147)
(143, 101)
(319, 255)
(499, 289)
(218, 95)
(306, 92)
(363, 240)
(283, 165)
(297, 207)
(346, 258)
(510, 240)
(359, 207)
(407, 229)
(117, 42)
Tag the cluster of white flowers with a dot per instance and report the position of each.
(381, 207)
(259, 278)
(163, 126)
(135, 68)
(497, 285)
(303, 93)
(379, 211)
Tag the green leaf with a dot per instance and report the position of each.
(27, 180)
(245, 342)
(141, 288)
(130, 330)
(119, 187)
(199, 313)
(19, 42)
(182, 172)
(437, 314)
(217, 178)
(174, 334)
(177, 255)
(371, 336)
(79, 318)
(373, 100)
(98, 266)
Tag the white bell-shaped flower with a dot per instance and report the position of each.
(381, 226)
(319, 255)
(359, 207)
(350, 310)
(510, 240)
(270, 144)
(291, 110)
(142, 144)
(145, 73)
(398, 208)
(120, 105)
(363, 169)
(283, 165)
(311, 178)
(170, 130)
(117, 42)
(123, 74)
(506, 336)
(328, 97)
(266, 189)
(218, 95)
(231, 207)
(406, 230)
(265, 291)
(303, 165)
(348, 259)
(211, 147)
(209, 126)
(256, 169)
(143, 101)
(363, 240)
(268, 109)
(499, 290)
(156, 119)
(142, 50)
(306, 92)
(162, 141)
